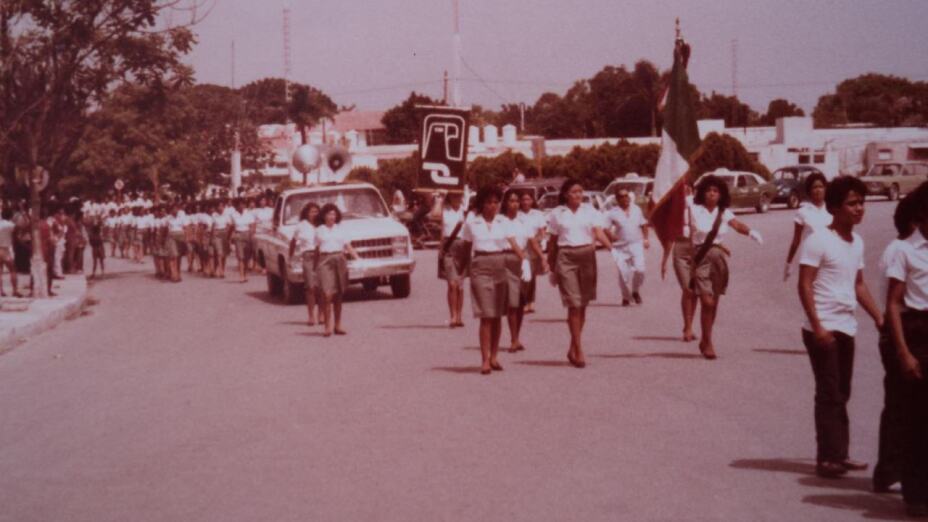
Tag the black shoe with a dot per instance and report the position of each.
(853, 465)
(625, 302)
(916, 510)
(830, 469)
(636, 297)
(883, 484)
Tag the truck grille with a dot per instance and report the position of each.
(380, 247)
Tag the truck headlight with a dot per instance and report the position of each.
(400, 246)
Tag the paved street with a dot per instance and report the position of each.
(205, 401)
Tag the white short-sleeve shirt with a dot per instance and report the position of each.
(534, 219)
(574, 229)
(243, 220)
(6, 233)
(626, 224)
(449, 219)
(910, 265)
(330, 239)
(177, 223)
(305, 236)
(834, 288)
(520, 231)
(702, 221)
(887, 260)
(222, 220)
(812, 218)
(488, 237)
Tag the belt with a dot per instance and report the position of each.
(478, 253)
(331, 253)
(921, 314)
(565, 247)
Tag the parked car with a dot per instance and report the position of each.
(590, 197)
(894, 179)
(639, 187)
(748, 190)
(538, 186)
(790, 184)
(381, 241)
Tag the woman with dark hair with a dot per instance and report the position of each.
(493, 240)
(332, 268)
(304, 245)
(710, 220)
(219, 231)
(242, 230)
(811, 215)
(831, 285)
(534, 220)
(524, 236)
(452, 254)
(575, 228)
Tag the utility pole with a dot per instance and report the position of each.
(235, 169)
(456, 89)
(444, 96)
(522, 117)
(286, 35)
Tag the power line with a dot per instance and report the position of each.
(484, 82)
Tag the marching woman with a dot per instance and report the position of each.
(218, 233)
(175, 241)
(534, 220)
(682, 253)
(812, 215)
(574, 230)
(523, 232)
(493, 239)
(304, 245)
(907, 313)
(332, 268)
(452, 254)
(710, 220)
(241, 233)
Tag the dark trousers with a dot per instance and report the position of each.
(915, 412)
(833, 367)
(889, 463)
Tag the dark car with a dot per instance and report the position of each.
(790, 183)
(538, 187)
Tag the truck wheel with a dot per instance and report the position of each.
(274, 286)
(792, 201)
(370, 284)
(893, 193)
(401, 285)
(292, 293)
(763, 205)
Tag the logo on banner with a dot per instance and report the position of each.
(443, 149)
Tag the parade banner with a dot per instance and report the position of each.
(442, 148)
(679, 140)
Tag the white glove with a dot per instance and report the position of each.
(526, 270)
(755, 235)
(787, 270)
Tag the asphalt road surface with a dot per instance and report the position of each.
(205, 401)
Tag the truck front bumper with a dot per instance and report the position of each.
(362, 269)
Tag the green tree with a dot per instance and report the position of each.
(721, 150)
(780, 108)
(402, 121)
(728, 108)
(266, 102)
(877, 99)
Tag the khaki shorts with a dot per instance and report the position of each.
(711, 276)
(576, 275)
(489, 289)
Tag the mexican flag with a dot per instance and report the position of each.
(679, 140)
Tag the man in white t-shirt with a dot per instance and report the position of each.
(831, 285)
(628, 230)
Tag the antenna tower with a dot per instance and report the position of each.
(287, 54)
(734, 67)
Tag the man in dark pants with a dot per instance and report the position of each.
(907, 315)
(831, 285)
(888, 469)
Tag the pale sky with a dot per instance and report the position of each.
(374, 52)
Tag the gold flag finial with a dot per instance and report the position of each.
(678, 29)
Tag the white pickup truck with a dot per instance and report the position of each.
(381, 241)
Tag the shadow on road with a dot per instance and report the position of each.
(547, 320)
(457, 369)
(667, 338)
(548, 364)
(658, 355)
(414, 327)
(872, 506)
(780, 351)
(265, 297)
(607, 305)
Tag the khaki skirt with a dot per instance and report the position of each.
(516, 289)
(576, 275)
(683, 262)
(452, 266)
(242, 243)
(332, 273)
(218, 245)
(310, 276)
(711, 276)
(174, 245)
(489, 286)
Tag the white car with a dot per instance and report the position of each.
(381, 241)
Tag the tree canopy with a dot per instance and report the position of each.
(876, 99)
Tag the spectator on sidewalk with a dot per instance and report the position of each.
(7, 227)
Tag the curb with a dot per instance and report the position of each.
(44, 314)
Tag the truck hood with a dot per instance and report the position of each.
(364, 228)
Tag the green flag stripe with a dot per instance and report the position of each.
(679, 111)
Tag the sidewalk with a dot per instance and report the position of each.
(18, 324)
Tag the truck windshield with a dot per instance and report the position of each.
(354, 203)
